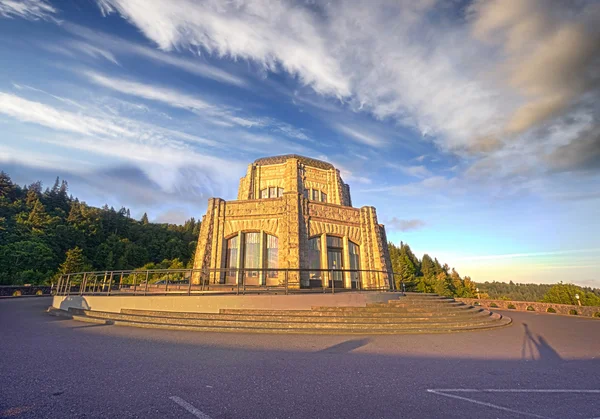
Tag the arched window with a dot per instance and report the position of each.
(231, 259)
(272, 256)
(314, 258)
(251, 254)
(354, 252)
(335, 251)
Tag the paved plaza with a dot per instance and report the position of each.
(541, 366)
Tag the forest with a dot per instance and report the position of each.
(46, 232)
(429, 275)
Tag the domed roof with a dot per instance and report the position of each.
(265, 161)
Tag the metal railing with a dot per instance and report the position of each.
(222, 280)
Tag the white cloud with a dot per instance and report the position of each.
(120, 46)
(469, 83)
(26, 9)
(359, 136)
(273, 34)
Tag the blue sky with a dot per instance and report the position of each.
(472, 127)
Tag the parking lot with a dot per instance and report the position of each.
(543, 366)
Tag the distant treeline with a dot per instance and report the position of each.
(429, 275)
(44, 232)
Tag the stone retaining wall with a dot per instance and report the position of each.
(537, 307)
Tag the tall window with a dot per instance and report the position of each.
(315, 195)
(323, 197)
(231, 257)
(251, 253)
(279, 192)
(334, 256)
(272, 256)
(314, 257)
(264, 193)
(354, 261)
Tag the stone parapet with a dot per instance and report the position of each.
(589, 311)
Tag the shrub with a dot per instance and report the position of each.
(530, 308)
(573, 312)
(596, 314)
(511, 307)
(17, 293)
(494, 305)
(39, 292)
(550, 310)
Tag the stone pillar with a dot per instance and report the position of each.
(374, 254)
(208, 241)
(290, 244)
(346, 256)
(325, 276)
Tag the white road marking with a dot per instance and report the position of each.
(493, 406)
(445, 391)
(198, 413)
(512, 390)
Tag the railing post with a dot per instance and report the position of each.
(167, 284)
(110, 281)
(286, 282)
(59, 284)
(134, 284)
(146, 285)
(69, 284)
(121, 281)
(190, 282)
(103, 281)
(95, 282)
(83, 283)
(332, 280)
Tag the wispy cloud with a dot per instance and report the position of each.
(405, 225)
(120, 46)
(361, 137)
(27, 9)
(527, 255)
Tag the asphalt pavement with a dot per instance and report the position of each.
(543, 365)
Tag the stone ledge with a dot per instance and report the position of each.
(586, 311)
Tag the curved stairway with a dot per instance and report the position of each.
(413, 313)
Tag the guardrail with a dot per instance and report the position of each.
(27, 289)
(225, 280)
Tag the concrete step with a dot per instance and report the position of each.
(425, 329)
(258, 314)
(272, 324)
(482, 315)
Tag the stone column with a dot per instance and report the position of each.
(346, 256)
(325, 276)
(208, 242)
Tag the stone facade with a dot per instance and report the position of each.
(297, 200)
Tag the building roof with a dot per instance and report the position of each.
(265, 161)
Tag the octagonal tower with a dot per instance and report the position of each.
(293, 212)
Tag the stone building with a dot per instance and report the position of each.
(291, 213)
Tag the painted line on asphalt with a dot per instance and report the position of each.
(444, 392)
(512, 390)
(190, 408)
(493, 406)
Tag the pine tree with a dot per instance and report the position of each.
(144, 219)
(7, 187)
(74, 261)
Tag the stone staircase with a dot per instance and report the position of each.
(413, 313)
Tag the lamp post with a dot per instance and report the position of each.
(577, 297)
(477, 290)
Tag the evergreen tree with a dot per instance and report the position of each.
(144, 219)
(74, 261)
